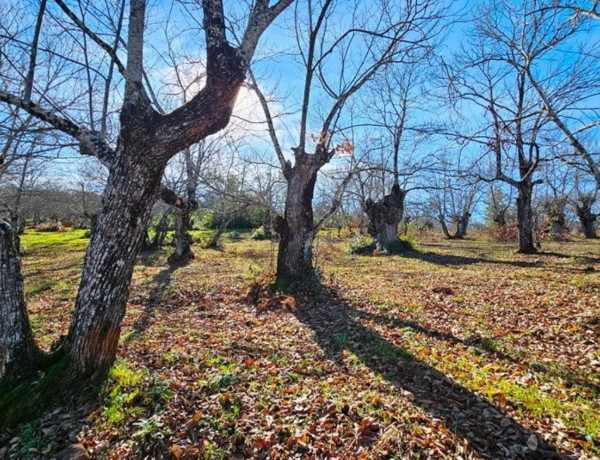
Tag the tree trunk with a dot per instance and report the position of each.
(525, 219)
(500, 218)
(182, 237)
(296, 229)
(214, 241)
(161, 231)
(384, 217)
(14, 225)
(18, 351)
(131, 192)
(445, 230)
(462, 224)
(587, 219)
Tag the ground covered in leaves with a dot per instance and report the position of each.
(456, 349)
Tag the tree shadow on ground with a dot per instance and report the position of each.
(480, 343)
(489, 432)
(151, 257)
(452, 260)
(157, 287)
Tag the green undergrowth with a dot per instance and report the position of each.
(130, 393)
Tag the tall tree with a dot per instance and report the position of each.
(147, 139)
(510, 121)
(336, 62)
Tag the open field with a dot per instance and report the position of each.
(457, 349)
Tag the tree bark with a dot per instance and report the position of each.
(384, 217)
(18, 351)
(583, 209)
(296, 228)
(500, 218)
(462, 224)
(182, 237)
(525, 218)
(130, 193)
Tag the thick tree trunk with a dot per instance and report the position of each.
(586, 218)
(182, 237)
(525, 219)
(296, 229)
(500, 218)
(129, 196)
(18, 351)
(462, 224)
(384, 217)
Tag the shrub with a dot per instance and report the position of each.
(360, 244)
(261, 233)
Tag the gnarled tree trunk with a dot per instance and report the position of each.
(127, 203)
(183, 239)
(525, 218)
(500, 217)
(587, 219)
(18, 351)
(296, 228)
(462, 224)
(384, 217)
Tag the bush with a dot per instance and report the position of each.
(260, 234)
(360, 245)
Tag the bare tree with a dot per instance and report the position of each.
(147, 140)
(453, 200)
(396, 99)
(493, 78)
(336, 63)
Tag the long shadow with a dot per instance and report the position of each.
(451, 260)
(157, 287)
(489, 432)
(479, 343)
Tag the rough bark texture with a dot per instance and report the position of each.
(500, 218)
(384, 217)
(100, 305)
(556, 218)
(587, 219)
(18, 351)
(147, 141)
(525, 218)
(296, 229)
(183, 239)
